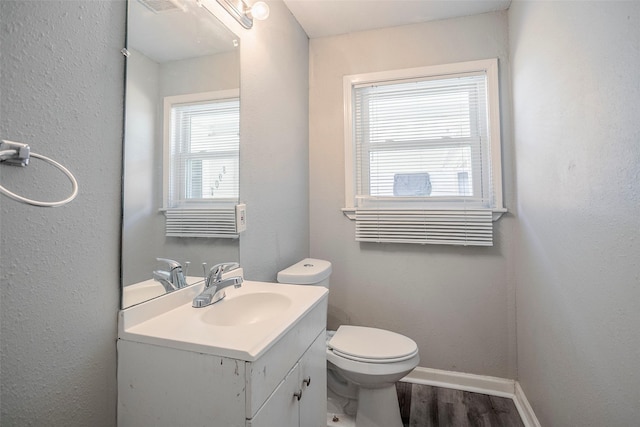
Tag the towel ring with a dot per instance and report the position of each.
(19, 153)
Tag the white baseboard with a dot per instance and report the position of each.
(492, 386)
(524, 408)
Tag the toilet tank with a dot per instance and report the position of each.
(309, 271)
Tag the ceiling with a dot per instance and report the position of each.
(321, 18)
(173, 33)
(170, 34)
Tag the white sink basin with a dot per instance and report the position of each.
(241, 326)
(246, 309)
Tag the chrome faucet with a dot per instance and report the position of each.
(164, 278)
(172, 279)
(216, 272)
(214, 284)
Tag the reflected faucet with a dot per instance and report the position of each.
(164, 278)
(214, 284)
(172, 279)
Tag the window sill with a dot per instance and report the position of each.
(497, 213)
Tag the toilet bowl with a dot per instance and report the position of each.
(374, 360)
(342, 394)
(363, 363)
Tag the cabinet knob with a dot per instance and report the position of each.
(307, 381)
(298, 394)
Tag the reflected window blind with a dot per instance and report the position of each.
(204, 152)
(422, 160)
(213, 223)
(203, 168)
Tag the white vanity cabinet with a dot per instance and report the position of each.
(165, 383)
(300, 399)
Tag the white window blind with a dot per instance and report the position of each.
(421, 144)
(436, 227)
(202, 181)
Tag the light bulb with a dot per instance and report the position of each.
(260, 11)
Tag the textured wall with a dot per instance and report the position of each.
(457, 303)
(61, 86)
(577, 133)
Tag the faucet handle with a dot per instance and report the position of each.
(223, 267)
(186, 267)
(171, 263)
(216, 272)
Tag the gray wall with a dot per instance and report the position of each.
(61, 83)
(457, 303)
(274, 149)
(577, 137)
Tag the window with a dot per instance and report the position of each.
(201, 167)
(424, 140)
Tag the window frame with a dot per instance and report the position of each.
(192, 98)
(487, 66)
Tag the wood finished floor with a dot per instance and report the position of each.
(428, 406)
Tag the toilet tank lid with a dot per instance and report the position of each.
(306, 272)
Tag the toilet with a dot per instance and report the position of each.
(363, 364)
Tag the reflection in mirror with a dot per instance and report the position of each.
(181, 155)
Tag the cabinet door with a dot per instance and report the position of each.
(313, 383)
(281, 408)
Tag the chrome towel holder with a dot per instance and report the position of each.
(18, 154)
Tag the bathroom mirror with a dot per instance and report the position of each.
(182, 79)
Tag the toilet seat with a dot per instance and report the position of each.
(374, 371)
(371, 345)
(368, 360)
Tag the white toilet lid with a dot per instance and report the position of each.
(372, 345)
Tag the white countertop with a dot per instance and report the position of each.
(171, 321)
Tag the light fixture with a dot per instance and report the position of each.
(245, 14)
(259, 11)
